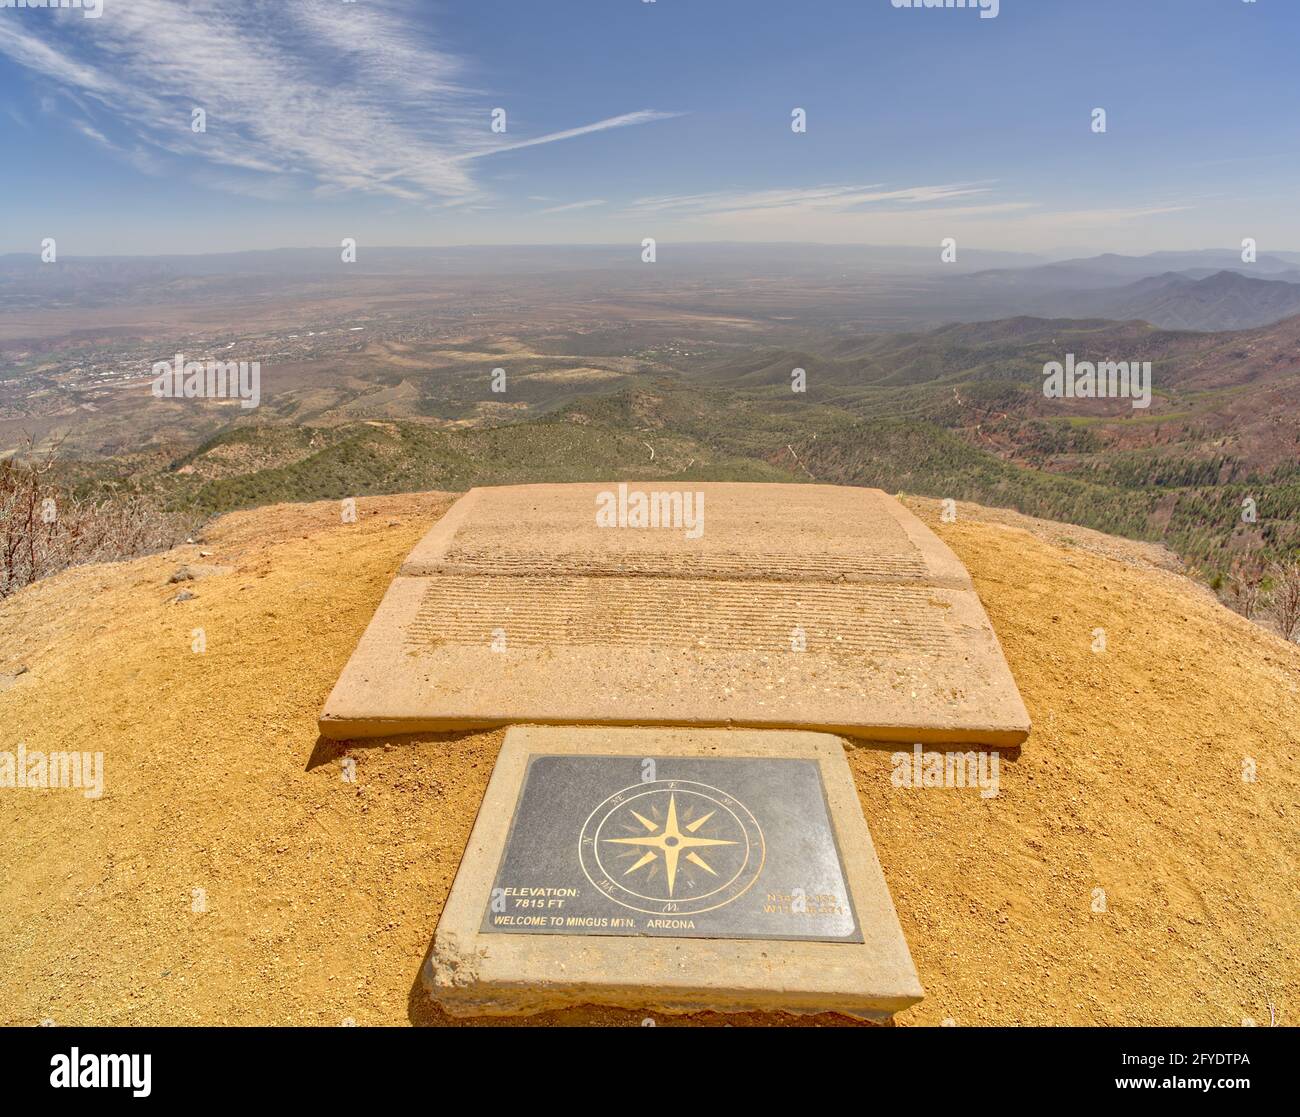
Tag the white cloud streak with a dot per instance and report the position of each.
(645, 116)
(574, 205)
(815, 199)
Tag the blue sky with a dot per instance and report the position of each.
(670, 119)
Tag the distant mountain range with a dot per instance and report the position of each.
(1210, 290)
(1224, 300)
(1111, 270)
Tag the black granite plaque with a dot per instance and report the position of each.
(693, 847)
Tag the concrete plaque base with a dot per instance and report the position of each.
(670, 869)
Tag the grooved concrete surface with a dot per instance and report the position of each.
(772, 606)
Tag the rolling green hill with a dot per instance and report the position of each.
(957, 413)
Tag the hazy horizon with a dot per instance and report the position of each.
(924, 252)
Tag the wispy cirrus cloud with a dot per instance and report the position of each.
(589, 204)
(876, 213)
(333, 97)
(1104, 217)
(810, 200)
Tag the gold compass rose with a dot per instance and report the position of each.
(671, 843)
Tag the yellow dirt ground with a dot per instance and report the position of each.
(322, 895)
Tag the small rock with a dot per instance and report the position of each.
(8, 678)
(190, 573)
(185, 595)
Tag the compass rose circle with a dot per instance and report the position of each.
(671, 847)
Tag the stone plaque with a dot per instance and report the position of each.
(670, 869)
(696, 847)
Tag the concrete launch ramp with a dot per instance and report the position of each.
(778, 606)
